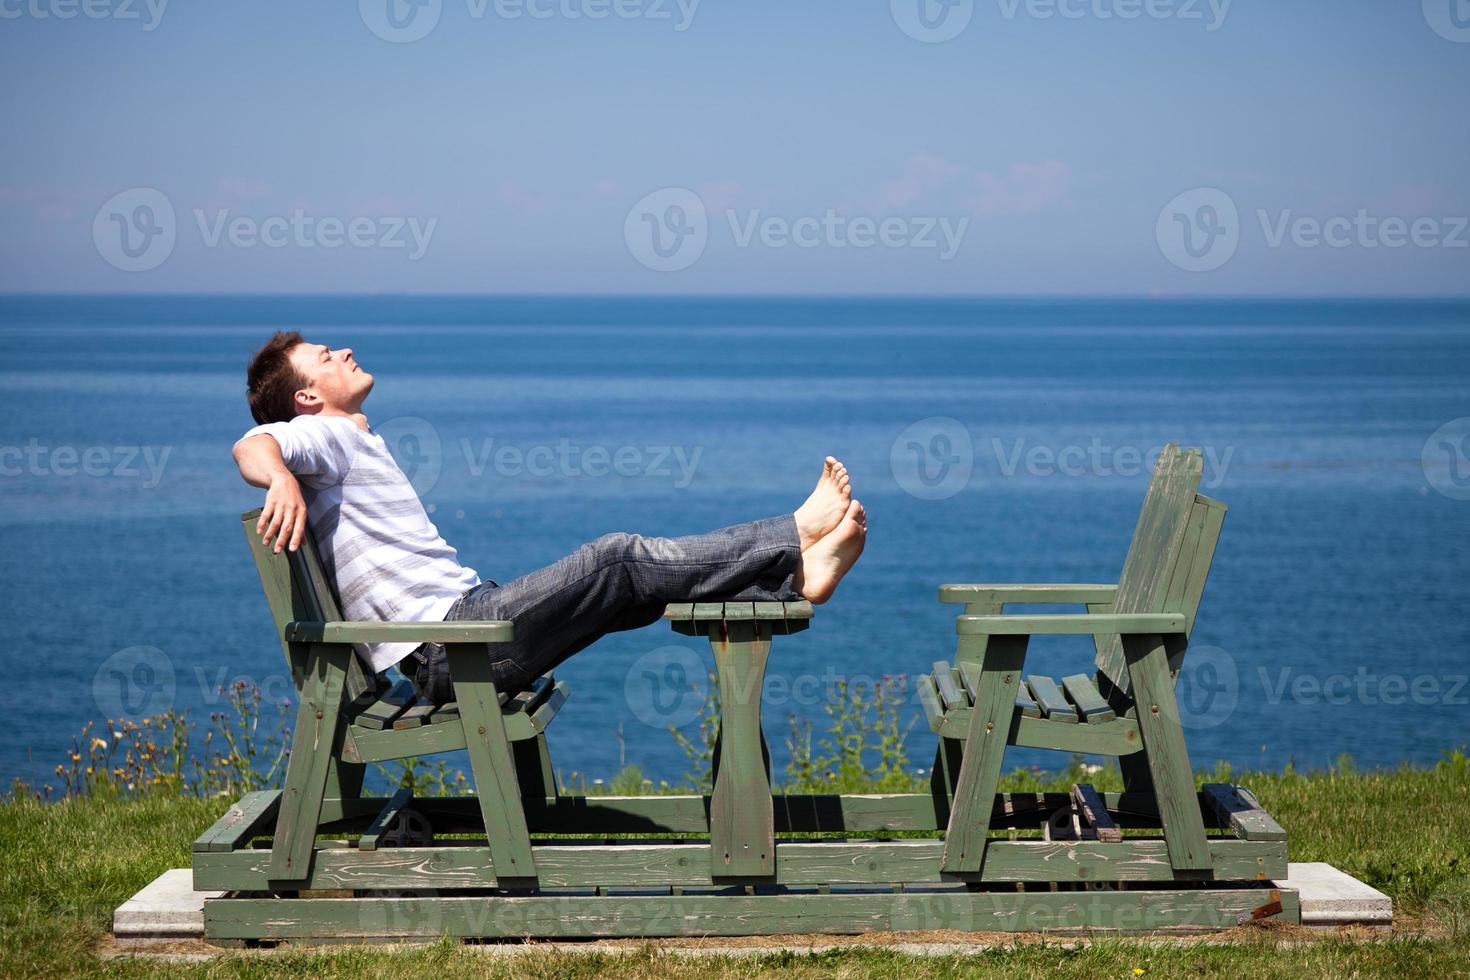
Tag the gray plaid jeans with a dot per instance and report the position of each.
(618, 582)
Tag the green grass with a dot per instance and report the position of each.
(67, 865)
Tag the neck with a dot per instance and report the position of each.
(356, 415)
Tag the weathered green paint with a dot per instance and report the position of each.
(741, 817)
(733, 915)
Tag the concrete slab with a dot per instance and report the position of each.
(168, 909)
(1331, 897)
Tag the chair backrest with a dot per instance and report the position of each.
(297, 588)
(1169, 559)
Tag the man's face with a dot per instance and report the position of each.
(334, 380)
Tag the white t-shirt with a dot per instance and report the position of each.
(385, 556)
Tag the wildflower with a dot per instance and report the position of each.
(99, 743)
(1139, 971)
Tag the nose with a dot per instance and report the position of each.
(347, 353)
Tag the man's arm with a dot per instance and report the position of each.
(283, 518)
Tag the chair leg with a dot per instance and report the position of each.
(314, 743)
(1165, 752)
(1135, 773)
(991, 720)
(491, 763)
(533, 769)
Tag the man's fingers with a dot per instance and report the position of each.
(269, 534)
(299, 531)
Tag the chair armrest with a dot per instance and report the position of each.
(1080, 624)
(467, 631)
(1036, 594)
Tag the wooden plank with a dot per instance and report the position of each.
(1166, 752)
(1096, 814)
(338, 919)
(769, 610)
(455, 631)
(240, 822)
(313, 743)
(1054, 707)
(798, 609)
(679, 611)
(374, 834)
(414, 715)
(1026, 704)
(1081, 624)
(491, 763)
(741, 820)
(929, 699)
(1032, 594)
(709, 610)
(687, 865)
(740, 610)
(520, 727)
(1154, 551)
(949, 692)
(388, 707)
(444, 713)
(985, 743)
(1236, 809)
(1089, 701)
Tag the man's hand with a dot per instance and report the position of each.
(283, 518)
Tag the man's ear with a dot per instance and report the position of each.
(307, 401)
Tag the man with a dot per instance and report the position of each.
(322, 465)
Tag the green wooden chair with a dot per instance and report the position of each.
(347, 718)
(319, 862)
(983, 702)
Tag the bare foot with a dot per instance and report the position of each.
(823, 510)
(824, 564)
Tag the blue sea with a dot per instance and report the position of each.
(991, 441)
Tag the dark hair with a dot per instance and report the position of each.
(271, 382)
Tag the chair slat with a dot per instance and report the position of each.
(1154, 553)
(1026, 702)
(389, 707)
(929, 699)
(1087, 698)
(1049, 697)
(414, 715)
(949, 693)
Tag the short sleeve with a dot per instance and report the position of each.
(314, 448)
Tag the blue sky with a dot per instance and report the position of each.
(1049, 147)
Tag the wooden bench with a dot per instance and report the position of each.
(319, 862)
